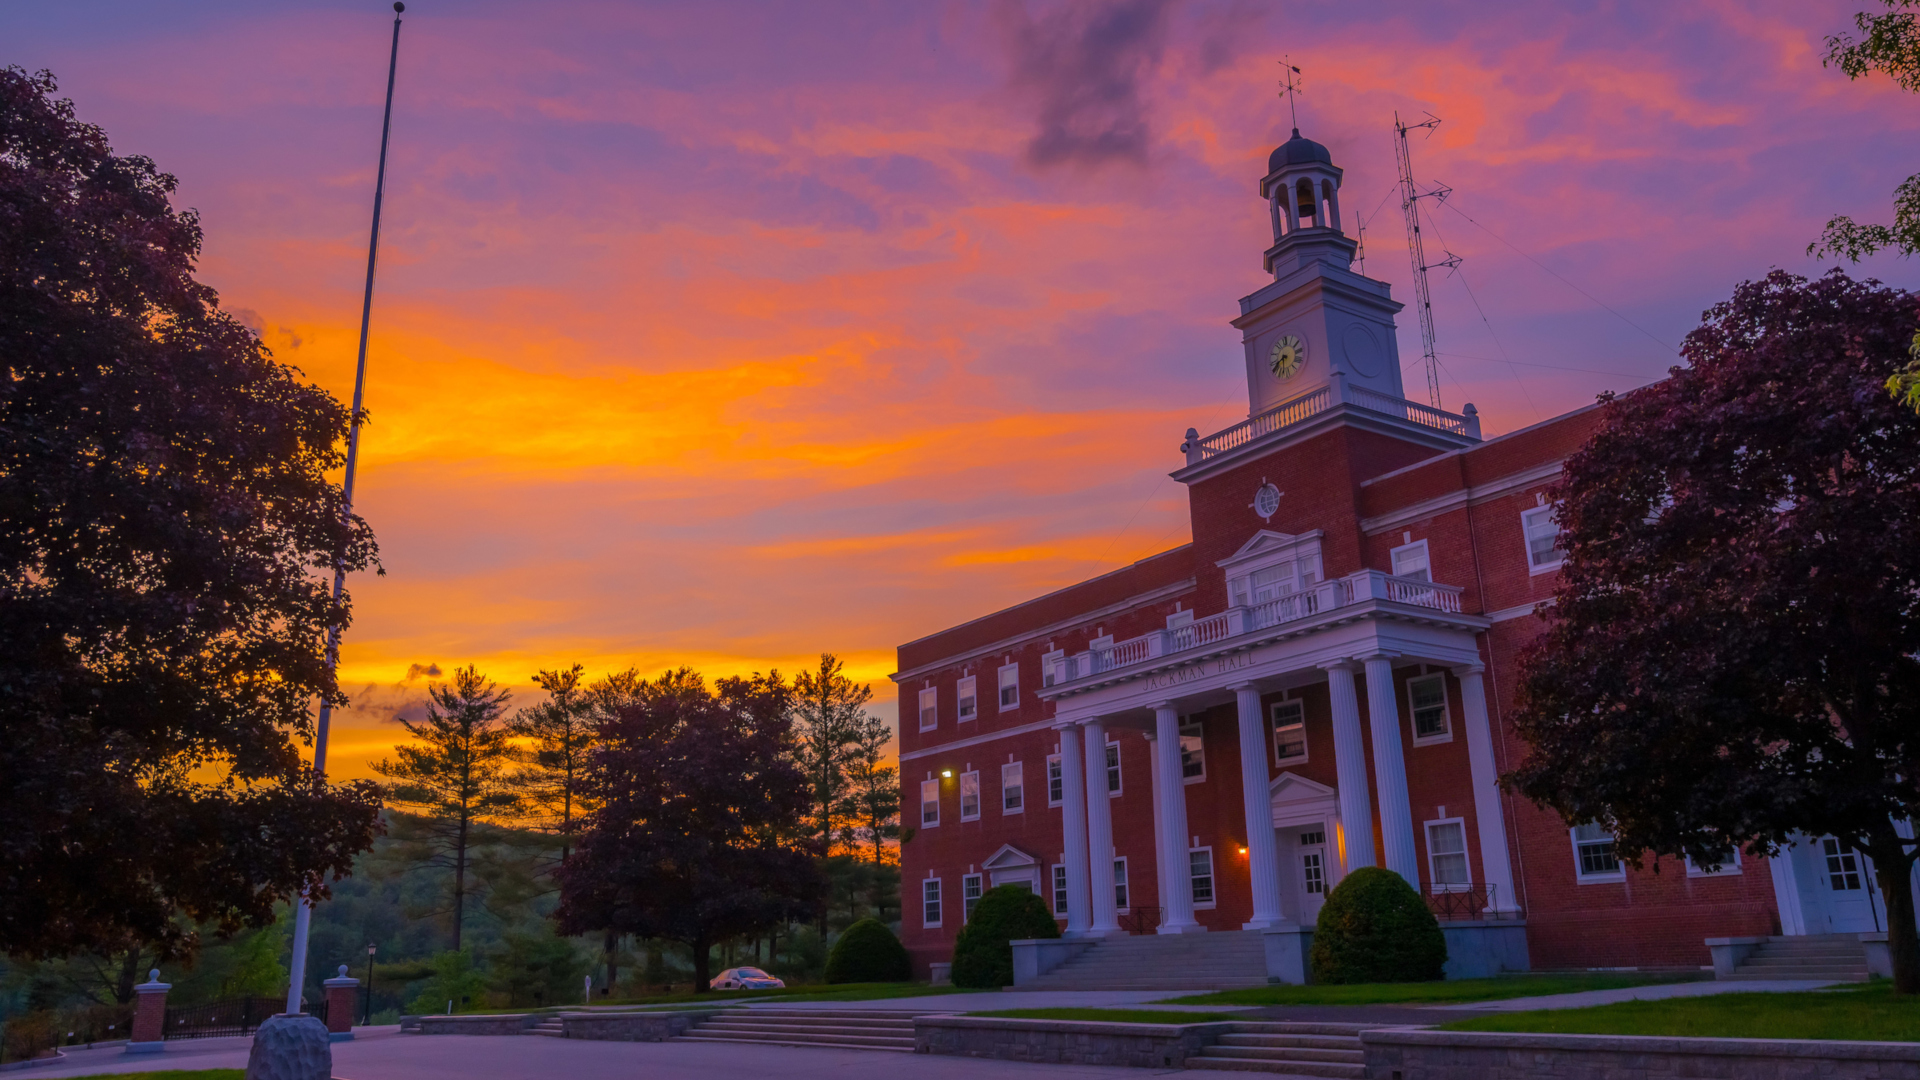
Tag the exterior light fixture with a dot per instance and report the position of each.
(946, 774)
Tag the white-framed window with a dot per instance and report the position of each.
(969, 796)
(1009, 687)
(1543, 539)
(1729, 861)
(1013, 794)
(1049, 671)
(1056, 781)
(929, 803)
(969, 703)
(1447, 869)
(1059, 890)
(970, 889)
(1120, 883)
(1427, 705)
(930, 902)
(1843, 865)
(929, 708)
(1410, 561)
(1313, 861)
(1193, 751)
(1113, 770)
(1200, 873)
(1289, 732)
(1593, 856)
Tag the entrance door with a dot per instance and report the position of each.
(1311, 865)
(1851, 897)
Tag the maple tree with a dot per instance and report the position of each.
(1730, 653)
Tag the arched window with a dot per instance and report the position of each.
(1330, 195)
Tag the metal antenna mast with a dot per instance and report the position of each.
(303, 912)
(1410, 207)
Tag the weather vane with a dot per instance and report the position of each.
(1291, 84)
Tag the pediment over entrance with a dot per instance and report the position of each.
(1269, 542)
(1009, 858)
(1296, 799)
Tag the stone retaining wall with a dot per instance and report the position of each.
(1424, 1054)
(494, 1024)
(1065, 1042)
(633, 1026)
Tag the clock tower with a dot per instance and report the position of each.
(1318, 321)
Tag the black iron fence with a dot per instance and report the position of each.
(237, 1016)
(1140, 920)
(1464, 902)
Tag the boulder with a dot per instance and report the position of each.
(290, 1047)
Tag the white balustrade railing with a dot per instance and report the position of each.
(1324, 596)
(1336, 392)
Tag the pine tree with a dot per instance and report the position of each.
(454, 776)
(872, 802)
(828, 710)
(561, 732)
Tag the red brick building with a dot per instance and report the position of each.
(1211, 738)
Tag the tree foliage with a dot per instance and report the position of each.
(167, 532)
(828, 712)
(559, 733)
(872, 803)
(698, 832)
(1889, 44)
(1375, 928)
(454, 776)
(1730, 654)
(983, 950)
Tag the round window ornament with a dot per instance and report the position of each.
(1266, 501)
(1287, 357)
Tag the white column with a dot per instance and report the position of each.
(1495, 865)
(1350, 768)
(1170, 813)
(1099, 831)
(1073, 830)
(1390, 770)
(1263, 856)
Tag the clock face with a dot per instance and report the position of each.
(1289, 355)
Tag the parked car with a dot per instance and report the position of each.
(745, 978)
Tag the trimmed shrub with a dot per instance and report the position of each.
(868, 952)
(982, 955)
(1375, 928)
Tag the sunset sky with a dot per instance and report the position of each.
(724, 334)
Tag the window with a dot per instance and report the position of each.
(1049, 673)
(1012, 791)
(1059, 889)
(1193, 751)
(969, 796)
(1200, 871)
(1113, 769)
(1120, 883)
(1543, 539)
(1427, 702)
(1843, 867)
(930, 902)
(1313, 871)
(1728, 862)
(929, 708)
(1009, 687)
(1593, 853)
(929, 803)
(1447, 855)
(1411, 562)
(969, 707)
(1289, 732)
(1276, 580)
(969, 896)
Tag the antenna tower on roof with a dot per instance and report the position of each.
(1410, 197)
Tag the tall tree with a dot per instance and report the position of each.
(560, 731)
(828, 708)
(1889, 43)
(454, 775)
(167, 536)
(872, 804)
(1730, 658)
(700, 804)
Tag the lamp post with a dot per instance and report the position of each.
(303, 911)
(368, 1021)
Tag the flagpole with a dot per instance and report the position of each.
(303, 911)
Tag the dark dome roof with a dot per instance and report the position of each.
(1297, 151)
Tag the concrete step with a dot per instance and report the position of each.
(815, 1044)
(714, 1027)
(1212, 1060)
(1301, 1027)
(1354, 1056)
(1839, 975)
(869, 1042)
(1302, 1042)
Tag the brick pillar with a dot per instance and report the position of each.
(149, 1032)
(342, 999)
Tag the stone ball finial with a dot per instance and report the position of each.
(343, 971)
(153, 974)
(1469, 410)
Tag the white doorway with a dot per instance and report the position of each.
(1824, 887)
(1306, 821)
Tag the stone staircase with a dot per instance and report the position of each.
(1215, 961)
(1331, 1050)
(551, 1026)
(1827, 957)
(840, 1029)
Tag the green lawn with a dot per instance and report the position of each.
(1450, 991)
(1114, 1016)
(1871, 1012)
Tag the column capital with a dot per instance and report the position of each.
(1463, 670)
(1249, 685)
(1156, 706)
(1377, 654)
(1343, 664)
